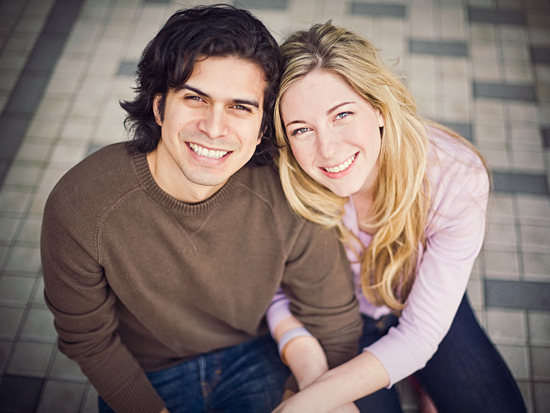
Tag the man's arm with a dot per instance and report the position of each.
(320, 288)
(78, 294)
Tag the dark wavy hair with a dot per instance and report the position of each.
(168, 61)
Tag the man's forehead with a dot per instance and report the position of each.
(228, 78)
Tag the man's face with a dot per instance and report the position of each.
(210, 128)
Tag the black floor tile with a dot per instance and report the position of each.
(517, 294)
(28, 90)
(463, 129)
(11, 129)
(455, 49)
(19, 394)
(488, 15)
(26, 94)
(546, 137)
(379, 9)
(540, 54)
(261, 4)
(520, 183)
(62, 17)
(46, 51)
(504, 91)
(127, 68)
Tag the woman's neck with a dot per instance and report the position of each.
(363, 202)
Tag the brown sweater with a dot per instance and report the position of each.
(139, 281)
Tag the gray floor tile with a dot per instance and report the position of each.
(504, 91)
(65, 369)
(539, 328)
(379, 9)
(9, 322)
(516, 357)
(540, 54)
(512, 294)
(441, 48)
(15, 290)
(19, 394)
(39, 326)
(5, 348)
(90, 405)
(507, 326)
(261, 4)
(540, 357)
(157, 1)
(495, 16)
(541, 391)
(61, 397)
(8, 226)
(30, 359)
(521, 183)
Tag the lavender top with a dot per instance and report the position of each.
(454, 235)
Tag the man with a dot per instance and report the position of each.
(160, 256)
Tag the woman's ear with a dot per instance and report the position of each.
(381, 122)
(156, 110)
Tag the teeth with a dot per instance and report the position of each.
(342, 166)
(207, 153)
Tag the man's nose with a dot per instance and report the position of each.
(214, 123)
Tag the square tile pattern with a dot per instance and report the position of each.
(480, 67)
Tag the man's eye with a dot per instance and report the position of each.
(194, 97)
(299, 131)
(241, 107)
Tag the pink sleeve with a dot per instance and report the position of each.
(455, 236)
(278, 309)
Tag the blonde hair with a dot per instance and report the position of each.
(402, 191)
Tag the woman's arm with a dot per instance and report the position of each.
(303, 355)
(358, 377)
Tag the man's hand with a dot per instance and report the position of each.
(165, 410)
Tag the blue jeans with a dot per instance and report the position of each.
(246, 378)
(465, 375)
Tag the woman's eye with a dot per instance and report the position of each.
(342, 115)
(299, 131)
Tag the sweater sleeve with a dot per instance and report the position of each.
(454, 240)
(83, 305)
(320, 289)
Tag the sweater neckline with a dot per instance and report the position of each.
(148, 182)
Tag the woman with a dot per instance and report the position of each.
(409, 198)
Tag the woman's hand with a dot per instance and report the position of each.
(338, 387)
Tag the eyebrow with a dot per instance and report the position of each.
(332, 109)
(249, 102)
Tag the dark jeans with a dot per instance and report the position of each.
(465, 375)
(247, 378)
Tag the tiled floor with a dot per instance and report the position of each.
(479, 66)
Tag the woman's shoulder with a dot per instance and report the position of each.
(456, 172)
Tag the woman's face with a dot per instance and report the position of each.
(334, 133)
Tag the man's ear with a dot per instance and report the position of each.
(156, 110)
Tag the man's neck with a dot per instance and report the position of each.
(176, 185)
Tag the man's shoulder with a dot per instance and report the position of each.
(96, 182)
(263, 182)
